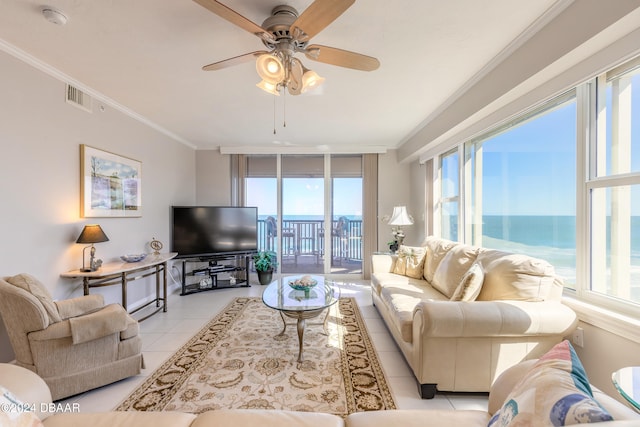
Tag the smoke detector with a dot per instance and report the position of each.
(54, 16)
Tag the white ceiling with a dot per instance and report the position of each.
(146, 57)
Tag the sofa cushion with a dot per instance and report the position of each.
(555, 392)
(38, 290)
(470, 285)
(401, 299)
(452, 267)
(121, 419)
(266, 418)
(410, 261)
(436, 250)
(15, 413)
(518, 277)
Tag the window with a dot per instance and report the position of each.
(560, 182)
(614, 190)
(449, 195)
(523, 186)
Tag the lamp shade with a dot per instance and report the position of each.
(92, 233)
(400, 216)
(270, 68)
(268, 87)
(310, 80)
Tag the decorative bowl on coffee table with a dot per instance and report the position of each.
(304, 283)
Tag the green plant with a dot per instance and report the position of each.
(264, 260)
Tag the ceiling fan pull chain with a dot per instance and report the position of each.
(274, 114)
(284, 109)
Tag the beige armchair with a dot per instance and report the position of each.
(74, 345)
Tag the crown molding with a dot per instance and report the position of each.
(59, 75)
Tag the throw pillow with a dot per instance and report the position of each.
(555, 392)
(470, 284)
(38, 290)
(15, 413)
(410, 261)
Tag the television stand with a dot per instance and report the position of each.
(213, 272)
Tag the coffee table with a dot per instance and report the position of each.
(301, 305)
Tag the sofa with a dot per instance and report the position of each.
(462, 315)
(536, 385)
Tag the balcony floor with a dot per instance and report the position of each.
(311, 264)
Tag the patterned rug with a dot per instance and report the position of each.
(238, 361)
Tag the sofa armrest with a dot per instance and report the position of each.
(383, 263)
(80, 305)
(493, 318)
(25, 385)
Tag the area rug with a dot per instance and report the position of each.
(238, 361)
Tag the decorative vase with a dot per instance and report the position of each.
(265, 277)
(393, 247)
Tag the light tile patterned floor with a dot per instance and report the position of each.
(164, 333)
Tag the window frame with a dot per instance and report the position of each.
(587, 95)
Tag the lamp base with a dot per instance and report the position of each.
(87, 270)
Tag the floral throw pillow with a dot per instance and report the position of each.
(555, 392)
(410, 261)
(14, 413)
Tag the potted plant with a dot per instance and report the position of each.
(264, 263)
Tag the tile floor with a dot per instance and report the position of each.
(164, 333)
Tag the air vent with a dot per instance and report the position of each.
(79, 99)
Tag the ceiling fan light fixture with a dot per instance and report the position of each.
(269, 87)
(270, 68)
(310, 80)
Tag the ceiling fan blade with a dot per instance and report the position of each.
(317, 16)
(236, 19)
(233, 61)
(341, 58)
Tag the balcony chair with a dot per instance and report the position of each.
(339, 240)
(288, 237)
(74, 345)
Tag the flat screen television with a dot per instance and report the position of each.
(201, 231)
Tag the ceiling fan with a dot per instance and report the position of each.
(286, 33)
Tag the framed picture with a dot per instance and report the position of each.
(110, 185)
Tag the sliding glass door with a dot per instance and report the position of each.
(310, 210)
(302, 213)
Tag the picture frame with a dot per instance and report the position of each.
(110, 184)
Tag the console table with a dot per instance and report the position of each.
(122, 273)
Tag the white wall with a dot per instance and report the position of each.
(394, 189)
(213, 180)
(40, 135)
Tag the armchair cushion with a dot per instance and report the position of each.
(111, 319)
(555, 392)
(37, 289)
(78, 306)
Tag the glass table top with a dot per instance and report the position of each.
(281, 296)
(627, 382)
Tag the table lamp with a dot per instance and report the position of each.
(91, 233)
(399, 218)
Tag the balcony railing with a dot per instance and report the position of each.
(306, 238)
